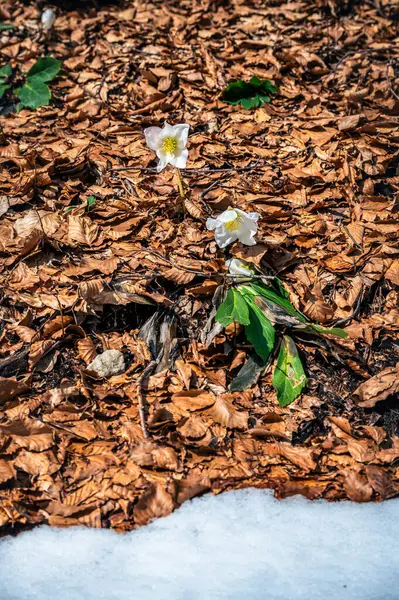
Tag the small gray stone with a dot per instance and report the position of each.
(110, 362)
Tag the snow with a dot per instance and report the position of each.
(110, 362)
(243, 545)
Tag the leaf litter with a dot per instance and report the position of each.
(98, 253)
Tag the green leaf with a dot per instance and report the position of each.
(3, 88)
(234, 308)
(250, 94)
(289, 378)
(45, 69)
(260, 332)
(5, 26)
(5, 72)
(331, 331)
(34, 93)
(258, 289)
(91, 200)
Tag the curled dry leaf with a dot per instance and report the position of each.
(87, 350)
(378, 388)
(357, 487)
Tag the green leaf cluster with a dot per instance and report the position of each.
(90, 202)
(5, 74)
(35, 92)
(257, 307)
(252, 94)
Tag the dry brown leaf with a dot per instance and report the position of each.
(192, 400)
(378, 388)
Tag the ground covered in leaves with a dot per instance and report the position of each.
(135, 270)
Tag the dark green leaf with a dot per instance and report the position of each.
(248, 375)
(280, 289)
(234, 308)
(34, 93)
(5, 72)
(45, 69)
(250, 94)
(289, 378)
(331, 331)
(272, 296)
(5, 26)
(260, 332)
(3, 88)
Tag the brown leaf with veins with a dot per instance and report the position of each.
(357, 487)
(192, 400)
(154, 503)
(378, 388)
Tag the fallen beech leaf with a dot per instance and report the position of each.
(357, 487)
(225, 413)
(6, 471)
(378, 388)
(381, 481)
(192, 400)
(150, 454)
(154, 503)
(9, 388)
(349, 122)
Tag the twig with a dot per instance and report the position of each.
(394, 94)
(149, 368)
(209, 275)
(354, 312)
(227, 170)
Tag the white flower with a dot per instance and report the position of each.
(169, 143)
(239, 267)
(48, 19)
(234, 224)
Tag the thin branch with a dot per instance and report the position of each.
(226, 170)
(140, 396)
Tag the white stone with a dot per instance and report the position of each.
(110, 362)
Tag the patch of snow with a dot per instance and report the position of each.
(110, 362)
(242, 545)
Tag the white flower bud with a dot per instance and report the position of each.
(48, 19)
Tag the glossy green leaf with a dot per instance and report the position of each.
(289, 378)
(3, 88)
(45, 69)
(331, 331)
(5, 26)
(34, 93)
(250, 94)
(260, 332)
(91, 200)
(5, 72)
(234, 308)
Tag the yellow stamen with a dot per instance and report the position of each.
(234, 224)
(169, 145)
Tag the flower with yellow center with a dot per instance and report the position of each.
(169, 143)
(234, 224)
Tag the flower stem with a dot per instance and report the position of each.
(180, 185)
